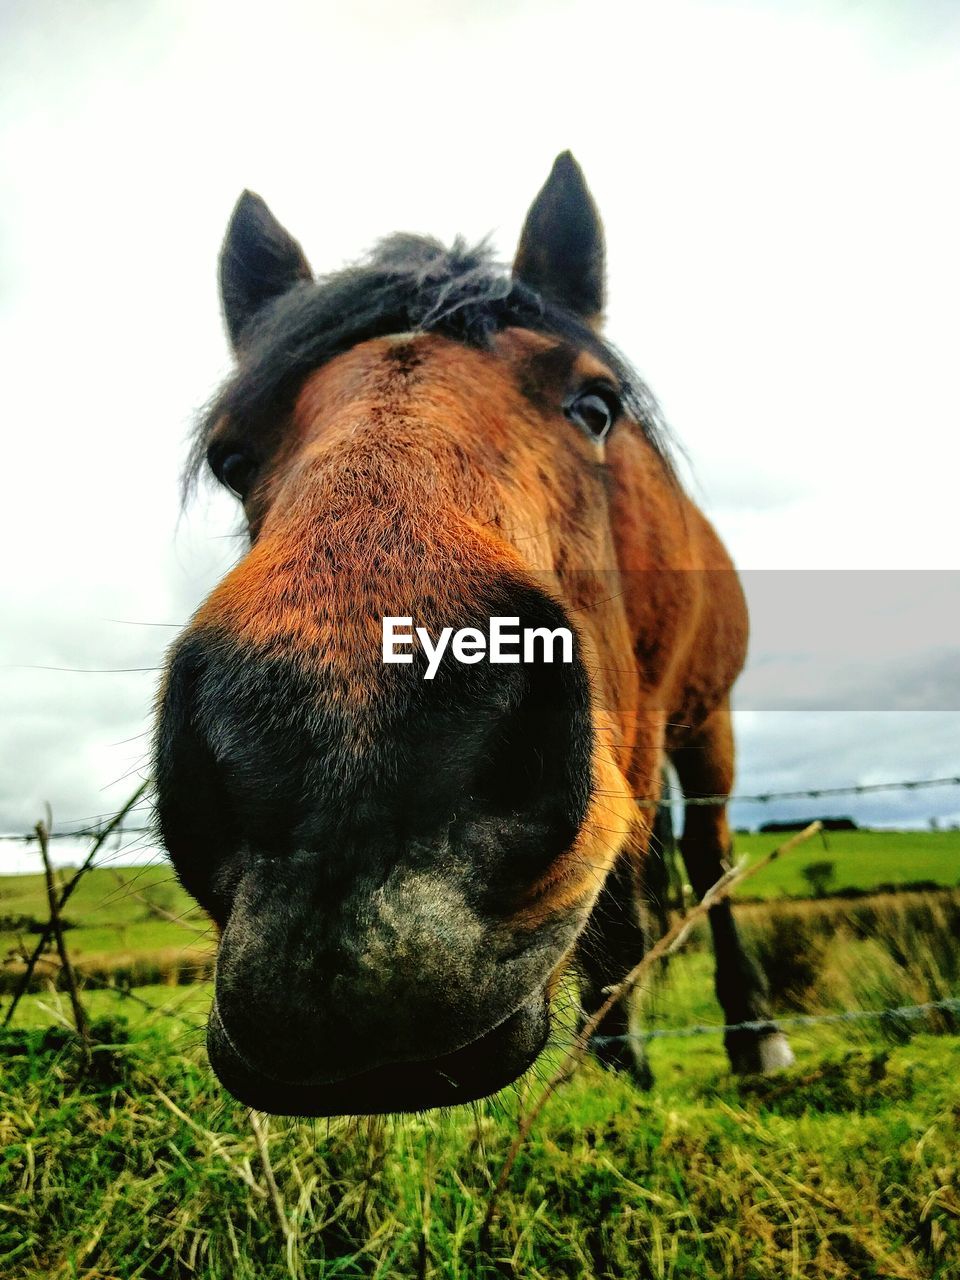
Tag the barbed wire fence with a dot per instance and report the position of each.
(788, 1022)
(114, 826)
(669, 796)
(670, 942)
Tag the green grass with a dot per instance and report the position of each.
(847, 1167)
(864, 859)
(180, 1011)
(105, 901)
(115, 921)
(108, 917)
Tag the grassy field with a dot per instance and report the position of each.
(131, 923)
(111, 909)
(845, 1168)
(864, 859)
(124, 911)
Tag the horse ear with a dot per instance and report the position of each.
(259, 261)
(561, 251)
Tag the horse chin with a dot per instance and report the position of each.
(475, 1070)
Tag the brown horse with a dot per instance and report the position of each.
(401, 869)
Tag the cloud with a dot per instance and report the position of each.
(787, 751)
(783, 267)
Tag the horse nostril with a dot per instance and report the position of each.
(257, 757)
(532, 779)
(539, 755)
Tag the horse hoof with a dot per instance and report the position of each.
(775, 1054)
(761, 1055)
(641, 1075)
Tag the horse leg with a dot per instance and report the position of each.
(658, 863)
(612, 943)
(705, 768)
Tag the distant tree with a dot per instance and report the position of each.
(819, 876)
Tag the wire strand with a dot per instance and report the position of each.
(778, 1024)
(670, 797)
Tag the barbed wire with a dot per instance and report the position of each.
(127, 993)
(671, 796)
(773, 1024)
(951, 1005)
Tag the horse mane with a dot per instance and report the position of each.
(408, 283)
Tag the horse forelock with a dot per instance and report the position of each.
(409, 284)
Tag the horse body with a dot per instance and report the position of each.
(401, 870)
(687, 620)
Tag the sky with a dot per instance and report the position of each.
(780, 194)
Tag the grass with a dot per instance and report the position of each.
(120, 925)
(875, 952)
(846, 1167)
(864, 860)
(137, 1164)
(119, 912)
(107, 908)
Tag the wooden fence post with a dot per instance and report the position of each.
(47, 933)
(56, 924)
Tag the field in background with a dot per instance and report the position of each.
(864, 860)
(845, 1168)
(134, 925)
(137, 926)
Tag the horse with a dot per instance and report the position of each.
(402, 870)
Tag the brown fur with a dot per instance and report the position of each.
(413, 467)
(409, 475)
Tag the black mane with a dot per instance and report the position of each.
(409, 283)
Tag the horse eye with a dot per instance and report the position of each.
(596, 411)
(236, 472)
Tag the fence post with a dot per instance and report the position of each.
(56, 924)
(97, 845)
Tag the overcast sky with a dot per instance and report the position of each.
(781, 197)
